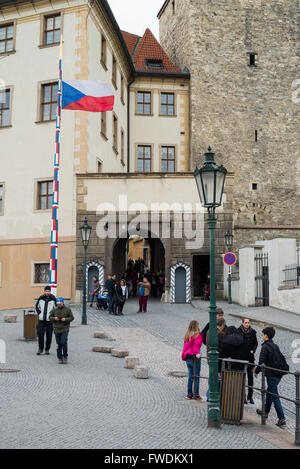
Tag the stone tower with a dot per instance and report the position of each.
(244, 60)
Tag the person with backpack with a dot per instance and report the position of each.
(191, 355)
(271, 356)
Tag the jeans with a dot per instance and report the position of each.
(190, 366)
(143, 300)
(62, 344)
(111, 304)
(45, 327)
(273, 387)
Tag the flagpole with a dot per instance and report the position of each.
(55, 199)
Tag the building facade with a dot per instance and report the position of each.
(243, 57)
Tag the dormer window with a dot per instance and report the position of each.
(154, 63)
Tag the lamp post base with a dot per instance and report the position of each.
(213, 424)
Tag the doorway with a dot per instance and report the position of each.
(200, 273)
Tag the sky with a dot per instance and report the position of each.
(135, 16)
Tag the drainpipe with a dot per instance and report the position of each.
(128, 124)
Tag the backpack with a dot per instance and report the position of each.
(278, 361)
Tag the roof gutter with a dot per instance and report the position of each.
(186, 75)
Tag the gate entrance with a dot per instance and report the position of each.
(200, 273)
(261, 280)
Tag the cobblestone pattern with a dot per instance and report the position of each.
(94, 402)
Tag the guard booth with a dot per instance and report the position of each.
(233, 391)
(180, 283)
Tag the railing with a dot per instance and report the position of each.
(263, 390)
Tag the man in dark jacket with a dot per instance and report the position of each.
(61, 316)
(233, 347)
(220, 315)
(110, 286)
(43, 307)
(273, 380)
(250, 339)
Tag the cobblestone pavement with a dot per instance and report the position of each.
(94, 402)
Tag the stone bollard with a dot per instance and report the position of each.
(99, 335)
(102, 348)
(119, 353)
(131, 362)
(141, 372)
(10, 318)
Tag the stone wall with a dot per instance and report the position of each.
(245, 113)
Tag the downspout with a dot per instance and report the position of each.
(128, 125)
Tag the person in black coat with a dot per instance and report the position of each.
(220, 315)
(234, 347)
(110, 286)
(250, 339)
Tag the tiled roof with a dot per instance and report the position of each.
(146, 49)
(131, 41)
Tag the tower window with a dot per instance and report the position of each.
(252, 59)
(173, 6)
(256, 135)
(254, 186)
(154, 63)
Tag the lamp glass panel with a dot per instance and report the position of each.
(208, 185)
(200, 190)
(220, 177)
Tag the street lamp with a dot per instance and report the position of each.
(85, 230)
(229, 243)
(210, 180)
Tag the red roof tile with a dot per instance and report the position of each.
(131, 41)
(148, 48)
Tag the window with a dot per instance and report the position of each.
(49, 101)
(115, 133)
(5, 108)
(103, 124)
(114, 72)
(41, 273)
(52, 24)
(167, 105)
(6, 38)
(252, 59)
(99, 166)
(256, 135)
(254, 187)
(144, 102)
(154, 63)
(122, 89)
(122, 147)
(168, 159)
(44, 195)
(103, 51)
(1, 198)
(173, 6)
(144, 158)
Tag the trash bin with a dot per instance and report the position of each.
(30, 324)
(232, 397)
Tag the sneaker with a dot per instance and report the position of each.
(189, 397)
(199, 398)
(259, 412)
(138, 312)
(39, 352)
(251, 401)
(280, 423)
(47, 352)
(65, 361)
(60, 362)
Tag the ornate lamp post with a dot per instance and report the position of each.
(210, 180)
(229, 243)
(85, 230)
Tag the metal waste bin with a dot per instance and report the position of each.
(232, 397)
(30, 324)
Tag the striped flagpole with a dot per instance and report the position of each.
(55, 199)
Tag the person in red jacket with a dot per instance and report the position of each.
(191, 355)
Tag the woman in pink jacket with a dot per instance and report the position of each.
(191, 351)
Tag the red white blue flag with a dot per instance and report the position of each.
(87, 95)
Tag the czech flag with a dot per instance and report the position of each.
(87, 95)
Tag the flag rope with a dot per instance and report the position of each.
(55, 198)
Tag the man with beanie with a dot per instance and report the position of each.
(61, 316)
(43, 307)
(250, 339)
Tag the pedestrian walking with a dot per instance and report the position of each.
(121, 297)
(191, 354)
(271, 356)
(43, 307)
(95, 290)
(61, 316)
(110, 286)
(250, 339)
(144, 291)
